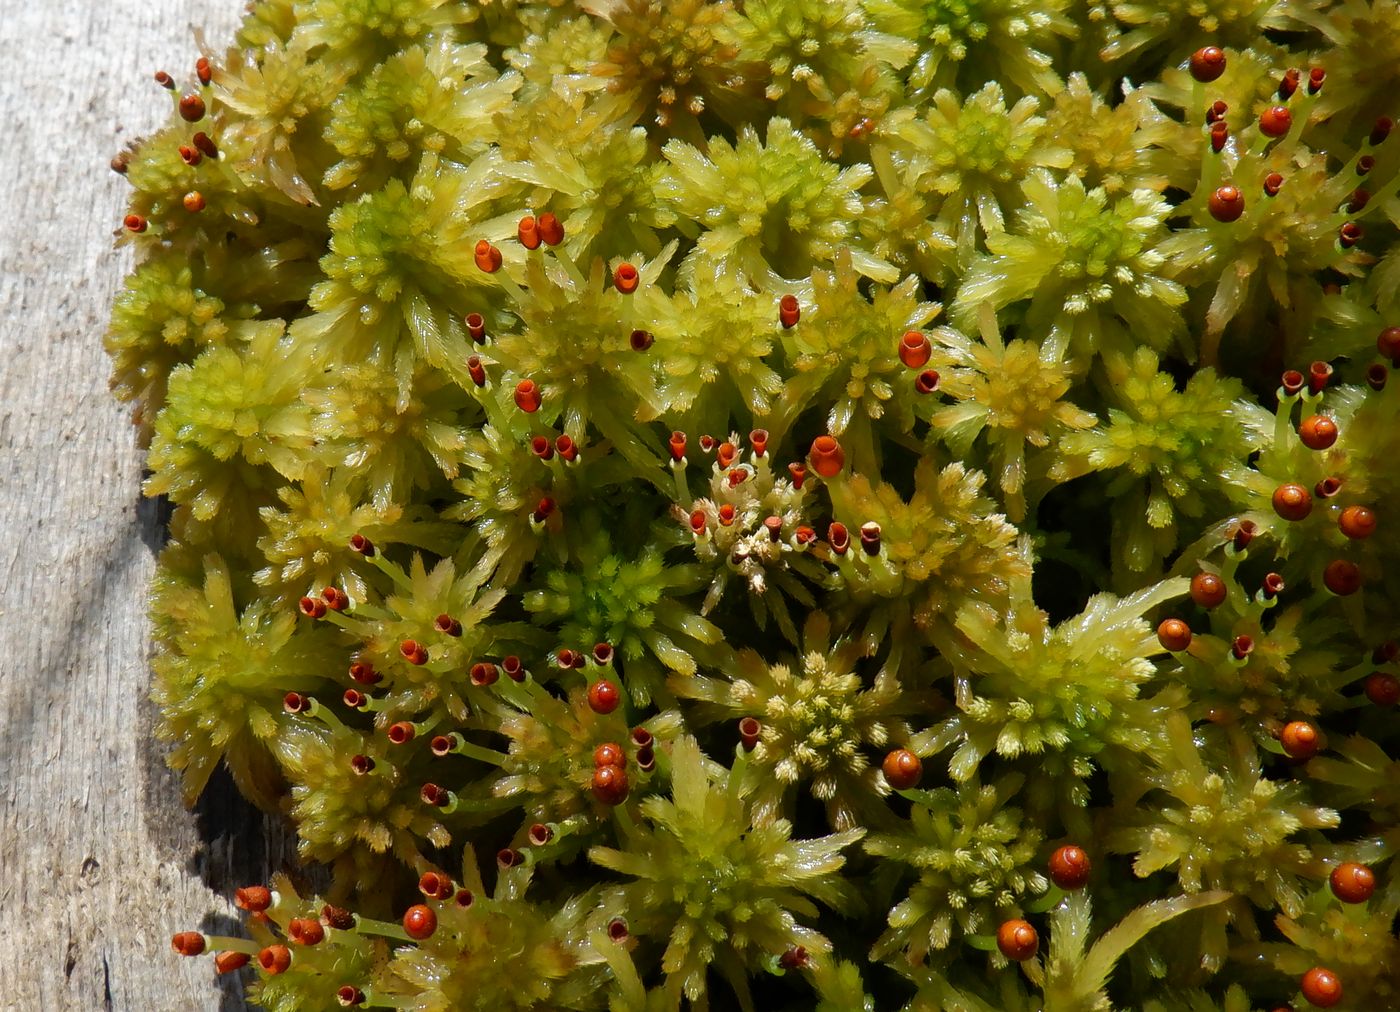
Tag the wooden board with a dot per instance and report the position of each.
(99, 862)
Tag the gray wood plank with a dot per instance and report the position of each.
(99, 862)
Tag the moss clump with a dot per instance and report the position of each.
(774, 473)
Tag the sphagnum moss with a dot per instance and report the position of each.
(874, 504)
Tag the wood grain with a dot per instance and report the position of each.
(99, 862)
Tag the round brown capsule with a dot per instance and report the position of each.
(1352, 882)
(1070, 867)
(609, 754)
(1226, 204)
(603, 696)
(1299, 739)
(1382, 688)
(1292, 502)
(1342, 577)
(1207, 590)
(1174, 635)
(192, 108)
(1017, 940)
(1317, 432)
(1275, 121)
(903, 769)
(419, 921)
(1207, 64)
(1388, 343)
(610, 785)
(1357, 522)
(1321, 987)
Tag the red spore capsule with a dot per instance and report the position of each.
(1352, 882)
(551, 229)
(1242, 647)
(725, 455)
(926, 382)
(1321, 987)
(1376, 376)
(1388, 344)
(1273, 182)
(566, 448)
(603, 696)
(348, 996)
(191, 108)
(610, 785)
(527, 396)
(1289, 83)
(206, 145)
(1226, 204)
(1358, 200)
(1017, 940)
(1242, 534)
(134, 223)
(609, 754)
(677, 445)
(915, 349)
(1272, 586)
(539, 835)
(602, 654)
(475, 370)
(1342, 577)
(1327, 487)
(335, 598)
(1207, 590)
(1357, 522)
(402, 732)
(414, 652)
(827, 457)
(488, 258)
(476, 327)
(726, 515)
(1070, 867)
(1174, 635)
(187, 943)
(1275, 121)
(698, 521)
(1207, 64)
(626, 278)
(541, 447)
(361, 765)
(312, 607)
(254, 899)
(295, 702)
(838, 537)
(641, 340)
(484, 673)
(903, 769)
(1216, 111)
(1317, 432)
(228, 962)
(789, 312)
(1350, 234)
(750, 731)
(798, 473)
(1365, 164)
(419, 922)
(203, 70)
(1300, 739)
(758, 441)
(528, 232)
(164, 80)
(275, 959)
(1292, 502)
(1315, 78)
(1382, 688)
(870, 538)
(1219, 135)
(1380, 131)
(361, 545)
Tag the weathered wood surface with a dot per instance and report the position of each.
(99, 862)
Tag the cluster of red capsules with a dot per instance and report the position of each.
(1226, 203)
(192, 108)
